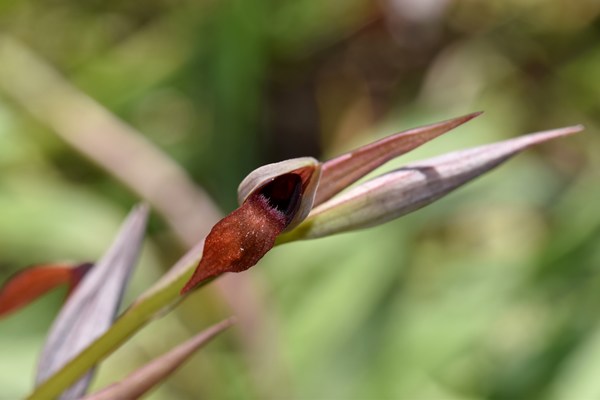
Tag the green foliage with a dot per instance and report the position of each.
(490, 293)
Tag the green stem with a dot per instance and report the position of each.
(163, 294)
(131, 321)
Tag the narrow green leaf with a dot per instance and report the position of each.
(155, 301)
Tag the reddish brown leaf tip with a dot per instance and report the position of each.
(241, 239)
(469, 117)
(26, 286)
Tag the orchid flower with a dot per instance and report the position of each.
(296, 199)
(291, 200)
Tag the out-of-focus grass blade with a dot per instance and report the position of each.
(27, 285)
(92, 307)
(412, 187)
(340, 172)
(159, 369)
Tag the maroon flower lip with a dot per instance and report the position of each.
(242, 238)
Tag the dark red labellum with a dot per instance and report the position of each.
(241, 239)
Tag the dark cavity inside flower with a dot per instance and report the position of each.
(283, 195)
(241, 239)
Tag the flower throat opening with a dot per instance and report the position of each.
(283, 194)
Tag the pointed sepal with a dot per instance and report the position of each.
(340, 172)
(414, 186)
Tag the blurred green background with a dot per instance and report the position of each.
(491, 293)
